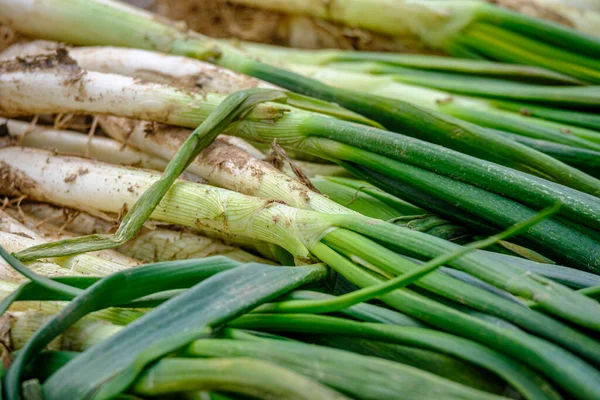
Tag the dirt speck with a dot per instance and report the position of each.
(566, 131)
(14, 182)
(73, 176)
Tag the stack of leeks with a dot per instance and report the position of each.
(478, 324)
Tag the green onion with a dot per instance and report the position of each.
(246, 376)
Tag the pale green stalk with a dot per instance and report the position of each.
(78, 337)
(116, 316)
(433, 21)
(155, 243)
(25, 237)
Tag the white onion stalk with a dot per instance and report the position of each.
(82, 223)
(25, 237)
(167, 245)
(77, 91)
(146, 65)
(87, 224)
(221, 164)
(69, 142)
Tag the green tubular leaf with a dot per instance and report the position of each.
(576, 249)
(476, 298)
(323, 107)
(427, 125)
(490, 176)
(547, 31)
(562, 367)
(363, 311)
(572, 117)
(581, 96)
(357, 376)
(48, 362)
(177, 274)
(248, 376)
(592, 292)
(401, 206)
(527, 383)
(585, 160)
(423, 65)
(519, 124)
(554, 297)
(500, 44)
(363, 295)
(386, 62)
(564, 275)
(437, 363)
(157, 332)
(354, 199)
(229, 109)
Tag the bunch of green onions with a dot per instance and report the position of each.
(414, 214)
(299, 231)
(469, 29)
(102, 23)
(471, 191)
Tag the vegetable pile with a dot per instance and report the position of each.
(188, 217)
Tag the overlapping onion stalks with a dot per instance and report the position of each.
(229, 167)
(530, 385)
(547, 137)
(188, 204)
(151, 244)
(472, 29)
(111, 23)
(292, 129)
(581, 15)
(106, 361)
(502, 114)
(542, 109)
